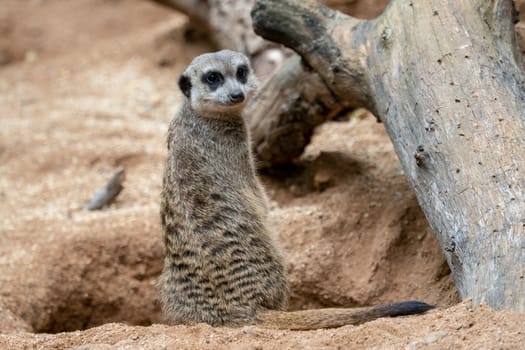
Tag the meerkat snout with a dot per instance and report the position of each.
(237, 96)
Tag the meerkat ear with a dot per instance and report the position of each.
(185, 85)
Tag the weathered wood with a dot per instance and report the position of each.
(286, 111)
(358, 8)
(304, 27)
(445, 78)
(108, 193)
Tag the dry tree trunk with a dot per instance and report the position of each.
(444, 77)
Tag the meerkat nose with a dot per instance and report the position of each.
(237, 96)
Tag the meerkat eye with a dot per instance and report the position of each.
(242, 73)
(213, 78)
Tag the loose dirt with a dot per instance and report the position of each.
(87, 86)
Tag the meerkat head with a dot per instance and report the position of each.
(218, 83)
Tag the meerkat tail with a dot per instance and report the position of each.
(337, 317)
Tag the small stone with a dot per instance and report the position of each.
(322, 180)
(434, 337)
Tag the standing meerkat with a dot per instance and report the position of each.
(222, 266)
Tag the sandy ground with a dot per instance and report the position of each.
(90, 85)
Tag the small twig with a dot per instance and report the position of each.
(108, 193)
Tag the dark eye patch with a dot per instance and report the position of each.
(242, 73)
(185, 85)
(213, 78)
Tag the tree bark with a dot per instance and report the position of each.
(286, 111)
(446, 79)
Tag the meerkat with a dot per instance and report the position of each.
(222, 266)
